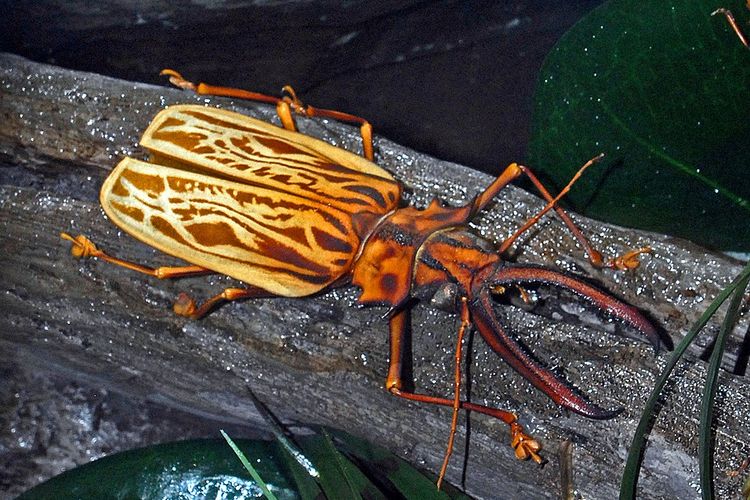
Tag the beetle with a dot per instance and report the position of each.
(293, 216)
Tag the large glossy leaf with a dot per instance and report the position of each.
(182, 470)
(209, 468)
(663, 88)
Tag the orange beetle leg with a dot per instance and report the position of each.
(733, 24)
(83, 248)
(186, 306)
(523, 444)
(465, 322)
(177, 80)
(628, 260)
(285, 106)
(625, 262)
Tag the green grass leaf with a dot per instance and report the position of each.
(339, 478)
(705, 450)
(635, 453)
(248, 466)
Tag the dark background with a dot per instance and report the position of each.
(454, 79)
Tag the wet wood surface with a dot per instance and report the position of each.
(105, 331)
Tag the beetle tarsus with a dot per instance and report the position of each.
(524, 445)
(184, 305)
(177, 79)
(81, 247)
(627, 261)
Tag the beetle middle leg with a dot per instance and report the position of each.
(465, 323)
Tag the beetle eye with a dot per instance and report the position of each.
(445, 297)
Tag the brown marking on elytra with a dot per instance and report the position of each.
(203, 150)
(330, 242)
(185, 140)
(144, 182)
(132, 212)
(165, 227)
(172, 122)
(279, 146)
(213, 234)
(284, 254)
(119, 190)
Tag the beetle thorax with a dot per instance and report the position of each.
(453, 256)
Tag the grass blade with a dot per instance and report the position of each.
(245, 462)
(632, 467)
(280, 434)
(704, 444)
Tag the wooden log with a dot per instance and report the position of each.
(323, 360)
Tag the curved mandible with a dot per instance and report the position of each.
(493, 332)
(515, 274)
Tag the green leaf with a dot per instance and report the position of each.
(408, 481)
(307, 485)
(185, 469)
(663, 88)
(210, 468)
(339, 477)
(301, 469)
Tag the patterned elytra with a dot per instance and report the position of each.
(273, 208)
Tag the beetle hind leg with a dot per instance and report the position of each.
(286, 106)
(187, 307)
(82, 248)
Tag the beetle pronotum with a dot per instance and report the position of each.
(290, 215)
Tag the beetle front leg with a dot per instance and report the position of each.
(628, 260)
(524, 445)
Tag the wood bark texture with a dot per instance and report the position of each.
(103, 339)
